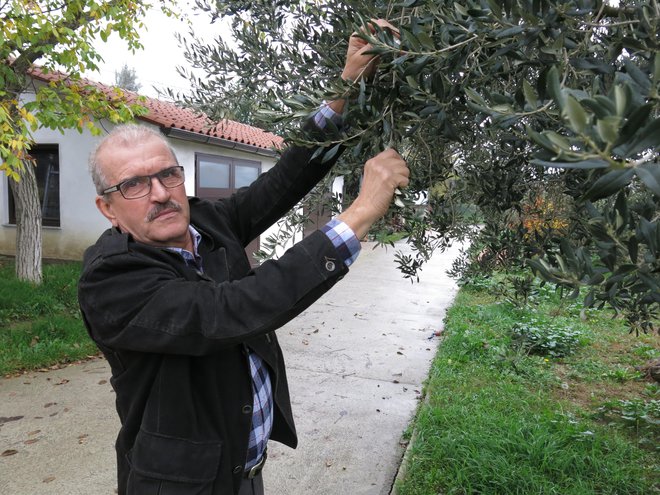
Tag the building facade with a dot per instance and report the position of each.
(218, 158)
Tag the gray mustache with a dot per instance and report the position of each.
(156, 210)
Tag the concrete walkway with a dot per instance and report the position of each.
(356, 360)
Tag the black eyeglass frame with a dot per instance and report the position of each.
(117, 187)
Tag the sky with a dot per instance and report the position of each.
(156, 64)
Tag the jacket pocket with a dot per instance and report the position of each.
(164, 465)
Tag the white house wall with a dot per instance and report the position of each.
(80, 221)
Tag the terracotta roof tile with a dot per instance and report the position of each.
(170, 115)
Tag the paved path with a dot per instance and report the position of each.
(356, 362)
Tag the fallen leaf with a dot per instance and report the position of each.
(5, 419)
(62, 382)
(49, 479)
(50, 404)
(30, 441)
(328, 463)
(32, 433)
(9, 452)
(103, 382)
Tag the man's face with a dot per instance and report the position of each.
(161, 217)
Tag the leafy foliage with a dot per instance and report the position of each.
(546, 339)
(486, 101)
(59, 36)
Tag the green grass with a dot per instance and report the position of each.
(40, 326)
(499, 419)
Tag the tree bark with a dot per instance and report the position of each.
(28, 226)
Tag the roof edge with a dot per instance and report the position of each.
(186, 135)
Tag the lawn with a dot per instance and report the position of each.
(539, 399)
(41, 326)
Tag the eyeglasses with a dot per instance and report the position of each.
(139, 187)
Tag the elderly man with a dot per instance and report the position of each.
(187, 326)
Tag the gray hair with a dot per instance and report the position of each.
(125, 135)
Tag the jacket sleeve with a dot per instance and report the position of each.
(255, 208)
(136, 302)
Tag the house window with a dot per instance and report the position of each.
(220, 176)
(47, 171)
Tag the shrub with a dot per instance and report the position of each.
(546, 338)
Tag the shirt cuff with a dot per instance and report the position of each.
(344, 240)
(326, 113)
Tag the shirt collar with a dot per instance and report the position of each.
(190, 258)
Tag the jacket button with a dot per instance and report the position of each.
(238, 470)
(247, 409)
(330, 266)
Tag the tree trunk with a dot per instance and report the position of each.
(28, 225)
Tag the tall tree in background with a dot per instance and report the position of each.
(57, 35)
(126, 79)
(494, 105)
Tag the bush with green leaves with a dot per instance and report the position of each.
(540, 336)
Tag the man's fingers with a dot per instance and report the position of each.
(392, 167)
(384, 25)
(360, 64)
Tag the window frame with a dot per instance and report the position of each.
(46, 221)
(220, 192)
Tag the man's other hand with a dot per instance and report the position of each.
(358, 64)
(383, 174)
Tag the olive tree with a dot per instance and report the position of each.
(490, 102)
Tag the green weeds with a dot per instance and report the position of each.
(540, 398)
(40, 326)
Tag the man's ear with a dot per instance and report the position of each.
(106, 210)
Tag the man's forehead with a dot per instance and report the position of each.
(133, 144)
(122, 156)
